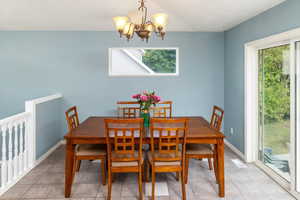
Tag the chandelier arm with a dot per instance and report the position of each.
(152, 24)
(128, 30)
(145, 17)
(128, 36)
(132, 30)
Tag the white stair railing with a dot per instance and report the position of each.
(15, 136)
(18, 143)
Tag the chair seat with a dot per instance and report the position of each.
(165, 156)
(91, 150)
(199, 149)
(125, 156)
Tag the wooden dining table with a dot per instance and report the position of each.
(92, 131)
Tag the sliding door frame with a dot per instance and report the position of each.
(251, 117)
(277, 177)
(295, 60)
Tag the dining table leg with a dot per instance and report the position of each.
(220, 167)
(69, 165)
(216, 163)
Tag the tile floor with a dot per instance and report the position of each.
(46, 181)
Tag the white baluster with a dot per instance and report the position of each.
(16, 152)
(26, 145)
(4, 161)
(9, 153)
(21, 154)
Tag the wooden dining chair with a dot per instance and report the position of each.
(128, 109)
(86, 151)
(162, 109)
(200, 151)
(170, 137)
(121, 138)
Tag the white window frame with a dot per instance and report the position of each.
(251, 102)
(145, 75)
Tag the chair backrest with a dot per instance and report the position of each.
(171, 134)
(72, 118)
(120, 138)
(162, 109)
(217, 118)
(128, 109)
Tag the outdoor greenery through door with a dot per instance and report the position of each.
(274, 108)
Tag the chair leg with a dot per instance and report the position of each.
(186, 170)
(153, 182)
(177, 176)
(78, 163)
(143, 172)
(209, 163)
(147, 171)
(140, 184)
(183, 185)
(216, 170)
(113, 177)
(109, 185)
(74, 169)
(103, 170)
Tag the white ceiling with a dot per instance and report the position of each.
(184, 15)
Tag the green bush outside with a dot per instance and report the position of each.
(276, 83)
(160, 60)
(275, 95)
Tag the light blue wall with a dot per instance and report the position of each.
(49, 117)
(35, 64)
(281, 18)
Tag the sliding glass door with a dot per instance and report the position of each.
(297, 108)
(274, 109)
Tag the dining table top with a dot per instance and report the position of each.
(94, 128)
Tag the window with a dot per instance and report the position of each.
(143, 62)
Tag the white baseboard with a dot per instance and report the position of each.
(234, 149)
(45, 155)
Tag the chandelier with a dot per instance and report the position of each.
(137, 22)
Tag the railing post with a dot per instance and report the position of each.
(31, 132)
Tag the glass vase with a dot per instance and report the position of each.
(145, 114)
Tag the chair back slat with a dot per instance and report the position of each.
(217, 118)
(123, 140)
(120, 137)
(128, 109)
(162, 109)
(72, 118)
(169, 132)
(168, 140)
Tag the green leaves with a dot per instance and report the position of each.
(160, 60)
(275, 89)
